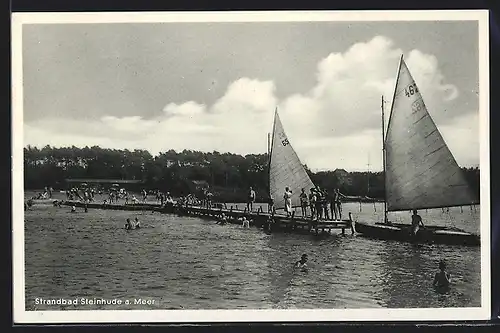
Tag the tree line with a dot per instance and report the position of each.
(228, 175)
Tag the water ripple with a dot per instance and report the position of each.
(191, 263)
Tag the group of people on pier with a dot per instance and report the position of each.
(322, 204)
(318, 204)
(163, 197)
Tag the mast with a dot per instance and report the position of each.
(269, 144)
(383, 134)
(269, 150)
(383, 157)
(368, 178)
(269, 160)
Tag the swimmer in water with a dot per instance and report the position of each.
(246, 223)
(302, 263)
(73, 209)
(128, 225)
(442, 278)
(137, 223)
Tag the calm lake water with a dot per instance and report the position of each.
(191, 263)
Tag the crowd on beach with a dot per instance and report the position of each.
(115, 196)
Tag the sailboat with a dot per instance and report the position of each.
(419, 169)
(285, 168)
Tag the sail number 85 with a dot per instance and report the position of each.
(411, 90)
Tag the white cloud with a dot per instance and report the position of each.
(247, 95)
(462, 137)
(188, 109)
(336, 124)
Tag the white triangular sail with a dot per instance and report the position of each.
(420, 170)
(285, 168)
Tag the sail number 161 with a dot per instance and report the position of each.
(411, 90)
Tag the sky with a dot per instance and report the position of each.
(215, 86)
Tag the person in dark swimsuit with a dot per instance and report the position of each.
(129, 225)
(302, 263)
(270, 205)
(312, 202)
(416, 223)
(337, 197)
(324, 204)
(303, 202)
(251, 199)
(442, 278)
(319, 206)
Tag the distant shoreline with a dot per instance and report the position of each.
(235, 199)
(228, 176)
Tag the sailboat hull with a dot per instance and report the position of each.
(427, 235)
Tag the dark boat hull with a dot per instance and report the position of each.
(427, 235)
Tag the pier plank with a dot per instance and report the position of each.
(259, 217)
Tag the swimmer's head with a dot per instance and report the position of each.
(442, 265)
(304, 257)
(414, 211)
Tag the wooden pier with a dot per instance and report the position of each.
(257, 218)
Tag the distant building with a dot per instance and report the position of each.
(342, 176)
(172, 162)
(340, 172)
(200, 184)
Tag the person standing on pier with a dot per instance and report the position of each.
(319, 207)
(303, 202)
(312, 202)
(338, 204)
(209, 199)
(288, 201)
(270, 205)
(324, 204)
(331, 201)
(144, 196)
(251, 199)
